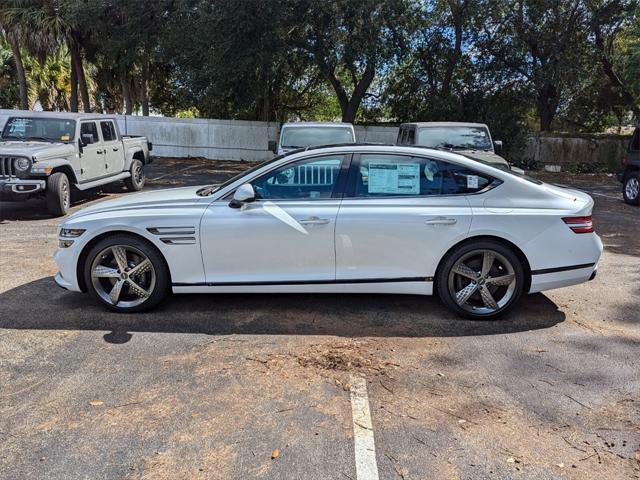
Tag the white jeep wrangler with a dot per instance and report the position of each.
(51, 153)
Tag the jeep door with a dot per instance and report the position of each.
(92, 159)
(113, 149)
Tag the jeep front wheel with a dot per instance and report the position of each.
(58, 194)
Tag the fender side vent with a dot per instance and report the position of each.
(179, 240)
(172, 230)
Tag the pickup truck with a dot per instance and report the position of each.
(473, 140)
(295, 135)
(51, 154)
(630, 175)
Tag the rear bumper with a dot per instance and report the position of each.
(15, 188)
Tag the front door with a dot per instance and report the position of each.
(286, 235)
(400, 215)
(92, 160)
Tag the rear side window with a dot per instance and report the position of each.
(89, 128)
(108, 131)
(635, 141)
(399, 175)
(411, 136)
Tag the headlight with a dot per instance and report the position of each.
(71, 232)
(22, 164)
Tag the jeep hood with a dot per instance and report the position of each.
(168, 198)
(40, 150)
(481, 155)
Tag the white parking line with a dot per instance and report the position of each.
(365, 448)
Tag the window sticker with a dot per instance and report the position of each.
(472, 181)
(403, 178)
(64, 138)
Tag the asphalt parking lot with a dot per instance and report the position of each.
(262, 386)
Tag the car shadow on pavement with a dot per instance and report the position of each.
(346, 315)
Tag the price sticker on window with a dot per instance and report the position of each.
(472, 181)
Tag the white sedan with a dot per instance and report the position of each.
(357, 218)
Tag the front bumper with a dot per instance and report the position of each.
(13, 187)
(66, 277)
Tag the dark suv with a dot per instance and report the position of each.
(630, 176)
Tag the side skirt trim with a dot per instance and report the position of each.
(561, 269)
(306, 282)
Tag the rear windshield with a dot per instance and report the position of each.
(299, 137)
(455, 137)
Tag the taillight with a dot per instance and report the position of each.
(579, 224)
(625, 160)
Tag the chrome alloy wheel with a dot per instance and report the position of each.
(123, 276)
(632, 188)
(66, 197)
(482, 282)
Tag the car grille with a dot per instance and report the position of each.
(7, 167)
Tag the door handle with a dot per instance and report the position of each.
(115, 149)
(441, 221)
(99, 151)
(314, 221)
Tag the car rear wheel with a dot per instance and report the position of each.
(631, 189)
(137, 179)
(126, 274)
(480, 280)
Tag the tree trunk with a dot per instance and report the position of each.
(76, 58)
(145, 88)
(22, 78)
(457, 13)
(126, 96)
(547, 105)
(73, 101)
(349, 106)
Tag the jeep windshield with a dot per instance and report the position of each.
(455, 138)
(299, 137)
(39, 129)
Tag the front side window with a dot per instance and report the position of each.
(460, 138)
(306, 179)
(44, 129)
(298, 137)
(108, 131)
(89, 128)
(381, 175)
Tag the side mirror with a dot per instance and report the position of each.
(497, 147)
(87, 139)
(273, 146)
(243, 194)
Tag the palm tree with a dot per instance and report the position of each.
(11, 33)
(47, 20)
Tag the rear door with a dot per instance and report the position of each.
(399, 216)
(92, 159)
(114, 152)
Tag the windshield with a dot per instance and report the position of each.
(44, 129)
(469, 138)
(298, 137)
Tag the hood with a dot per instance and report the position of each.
(39, 150)
(481, 155)
(172, 197)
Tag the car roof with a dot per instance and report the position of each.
(63, 115)
(316, 124)
(444, 124)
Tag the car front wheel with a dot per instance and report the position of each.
(480, 280)
(126, 274)
(631, 189)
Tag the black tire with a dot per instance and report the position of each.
(58, 194)
(474, 308)
(162, 279)
(137, 179)
(632, 180)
